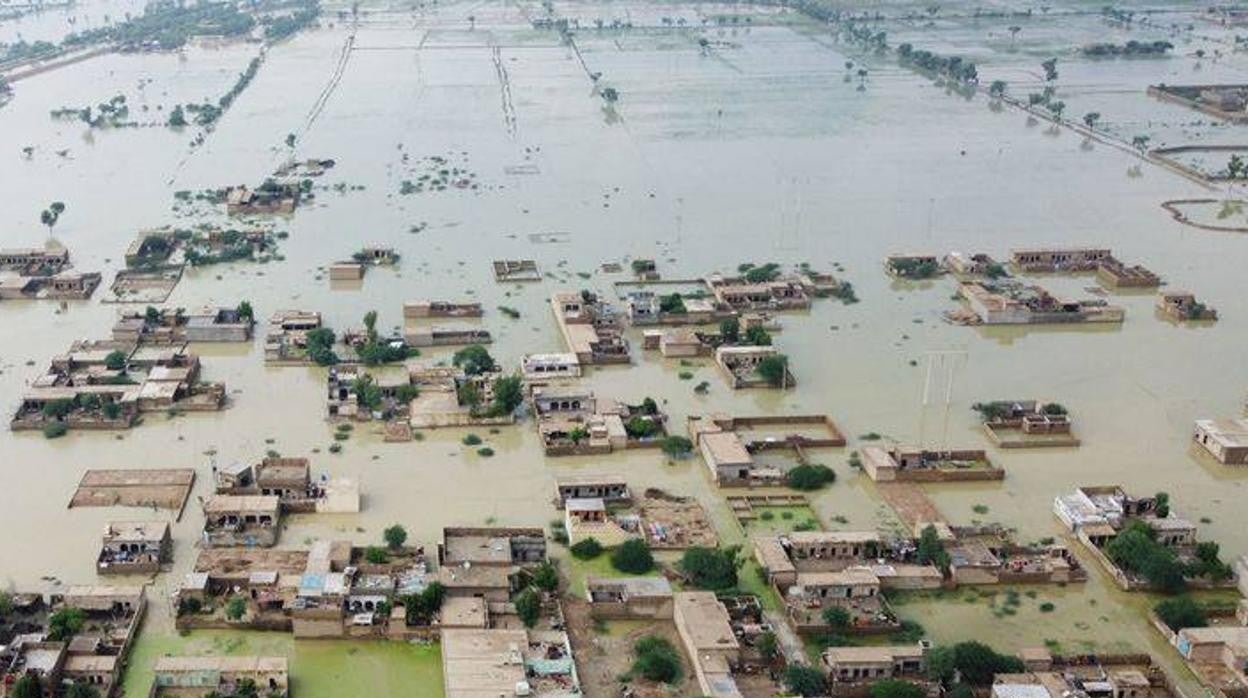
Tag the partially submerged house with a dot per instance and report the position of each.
(922, 465)
(540, 369)
(516, 270)
(913, 267)
(416, 310)
(1224, 439)
(445, 396)
(612, 489)
(1059, 259)
(63, 285)
(175, 326)
(740, 366)
(728, 444)
(290, 480)
(1010, 302)
(286, 341)
(571, 420)
(446, 336)
(852, 670)
(270, 197)
(591, 328)
(1182, 306)
(742, 295)
(48, 260)
(989, 555)
(1027, 424)
(241, 520)
(134, 547)
(705, 629)
(220, 675)
(481, 662)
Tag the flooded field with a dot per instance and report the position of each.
(760, 148)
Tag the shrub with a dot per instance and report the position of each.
(810, 477)
(546, 577)
(473, 360)
(633, 556)
(376, 555)
(836, 617)
(774, 369)
(804, 680)
(471, 440)
(235, 608)
(55, 430)
(895, 688)
(677, 446)
(65, 623)
(586, 549)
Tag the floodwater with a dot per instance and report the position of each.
(758, 151)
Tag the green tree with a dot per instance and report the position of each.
(730, 330)
(245, 311)
(528, 606)
(676, 446)
(757, 335)
(546, 576)
(894, 688)
(1181, 612)
(395, 536)
(711, 568)
(767, 646)
(508, 394)
(473, 360)
(930, 550)
(320, 343)
(64, 623)
(81, 690)
(26, 686)
(1162, 508)
(116, 360)
(235, 608)
(809, 477)
(632, 556)
(655, 659)
(1091, 118)
(978, 663)
(774, 369)
(804, 680)
(837, 617)
(375, 555)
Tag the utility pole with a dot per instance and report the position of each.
(941, 365)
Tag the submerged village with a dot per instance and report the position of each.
(556, 349)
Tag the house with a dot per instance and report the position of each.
(1116, 274)
(1224, 439)
(268, 198)
(705, 629)
(978, 264)
(913, 266)
(629, 597)
(516, 270)
(134, 547)
(446, 336)
(290, 480)
(486, 663)
(860, 666)
(221, 675)
(494, 546)
(1182, 306)
(35, 261)
(286, 342)
(346, 271)
(247, 520)
(741, 294)
(727, 458)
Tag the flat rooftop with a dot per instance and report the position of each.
(704, 621)
(482, 663)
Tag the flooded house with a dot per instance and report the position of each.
(1008, 302)
(1116, 274)
(268, 198)
(632, 598)
(728, 460)
(1114, 676)
(134, 547)
(346, 271)
(94, 655)
(705, 629)
(175, 326)
(48, 260)
(290, 480)
(571, 420)
(443, 398)
(492, 546)
(612, 489)
(352, 393)
(740, 366)
(743, 295)
(376, 256)
(645, 269)
(241, 520)
(1182, 306)
(63, 285)
(286, 341)
(989, 555)
(591, 328)
(516, 270)
(977, 264)
(1059, 259)
(855, 590)
(913, 267)
(219, 675)
(500, 661)
(645, 308)
(446, 336)
(416, 310)
(1027, 424)
(1224, 439)
(538, 369)
(914, 464)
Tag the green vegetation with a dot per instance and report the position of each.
(235, 608)
(320, 343)
(471, 440)
(375, 351)
(474, 360)
(26, 686)
(1130, 48)
(837, 617)
(1137, 551)
(633, 556)
(586, 549)
(730, 330)
(974, 661)
(655, 659)
(509, 312)
(675, 446)
(672, 303)
(895, 688)
(169, 25)
(774, 369)
(711, 568)
(419, 609)
(546, 576)
(931, 551)
(757, 336)
(64, 623)
(55, 430)
(809, 477)
(395, 536)
(952, 67)
(375, 555)
(761, 273)
(804, 680)
(528, 606)
(1181, 612)
(908, 268)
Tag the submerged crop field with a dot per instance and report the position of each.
(346, 159)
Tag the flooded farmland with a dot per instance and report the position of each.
(761, 146)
